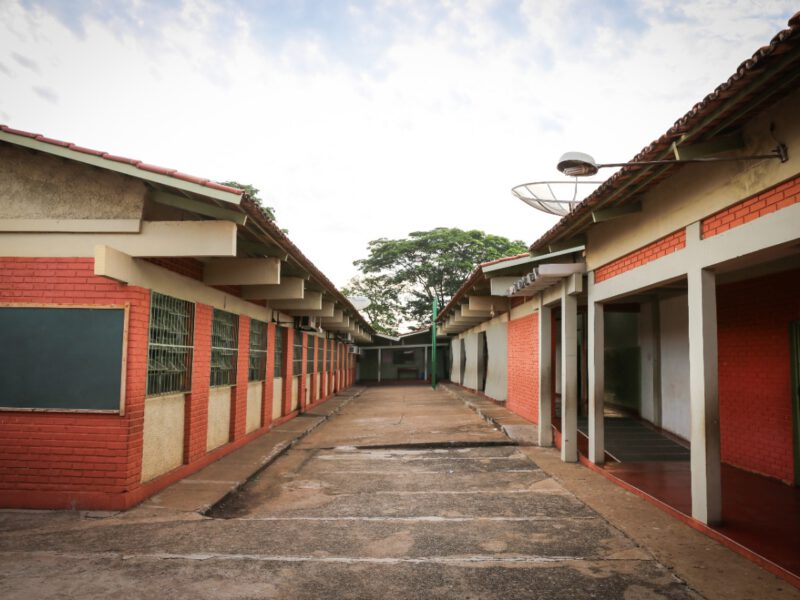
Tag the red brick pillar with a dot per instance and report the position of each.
(196, 412)
(269, 378)
(301, 387)
(288, 355)
(239, 390)
(136, 382)
(314, 372)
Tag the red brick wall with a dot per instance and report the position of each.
(301, 388)
(94, 461)
(239, 399)
(755, 372)
(768, 201)
(523, 367)
(68, 460)
(287, 353)
(661, 247)
(269, 382)
(196, 406)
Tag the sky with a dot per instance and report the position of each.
(366, 119)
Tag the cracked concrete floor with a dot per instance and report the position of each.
(405, 494)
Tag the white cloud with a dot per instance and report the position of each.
(432, 126)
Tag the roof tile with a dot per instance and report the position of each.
(122, 159)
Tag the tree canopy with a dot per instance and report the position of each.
(414, 268)
(253, 193)
(383, 311)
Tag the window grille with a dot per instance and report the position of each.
(332, 365)
(169, 360)
(278, 367)
(311, 352)
(297, 356)
(323, 350)
(257, 361)
(224, 344)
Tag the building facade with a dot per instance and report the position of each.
(151, 322)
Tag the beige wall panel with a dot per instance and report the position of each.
(157, 238)
(497, 368)
(455, 352)
(319, 385)
(277, 398)
(242, 271)
(471, 369)
(255, 395)
(699, 190)
(37, 186)
(119, 266)
(219, 417)
(162, 448)
(523, 310)
(674, 336)
(295, 392)
(308, 389)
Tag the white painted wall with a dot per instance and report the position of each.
(295, 393)
(648, 346)
(471, 370)
(497, 370)
(675, 413)
(162, 448)
(255, 395)
(277, 398)
(455, 349)
(219, 417)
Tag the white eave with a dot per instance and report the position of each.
(543, 277)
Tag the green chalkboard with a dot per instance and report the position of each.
(61, 358)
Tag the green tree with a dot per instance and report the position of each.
(432, 262)
(253, 193)
(383, 311)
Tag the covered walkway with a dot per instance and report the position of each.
(760, 516)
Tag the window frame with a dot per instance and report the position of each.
(224, 348)
(176, 321)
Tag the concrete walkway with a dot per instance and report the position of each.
(405, 493)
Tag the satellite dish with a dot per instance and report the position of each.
(557, 198)
(359, 302)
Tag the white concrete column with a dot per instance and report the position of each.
(380, 364)
(545, 382)
(569, 376)
(704, 398)
(596, 368)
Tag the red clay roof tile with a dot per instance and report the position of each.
(121, 159)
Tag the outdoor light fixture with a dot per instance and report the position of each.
(579, 164)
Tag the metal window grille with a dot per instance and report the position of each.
(321, 355)
(311, 352)
(224, 344)
(278, 367)
(257, 361)
(297, 356)
(169, 354)
(331, 355)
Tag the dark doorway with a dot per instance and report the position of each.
(794, 335)
(483, 360)
(463, 363)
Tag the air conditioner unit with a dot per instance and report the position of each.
(354, 350)
(306, 323)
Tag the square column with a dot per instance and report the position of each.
(704, 397)
(569, 375)
(596, 351)
(545, 421)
